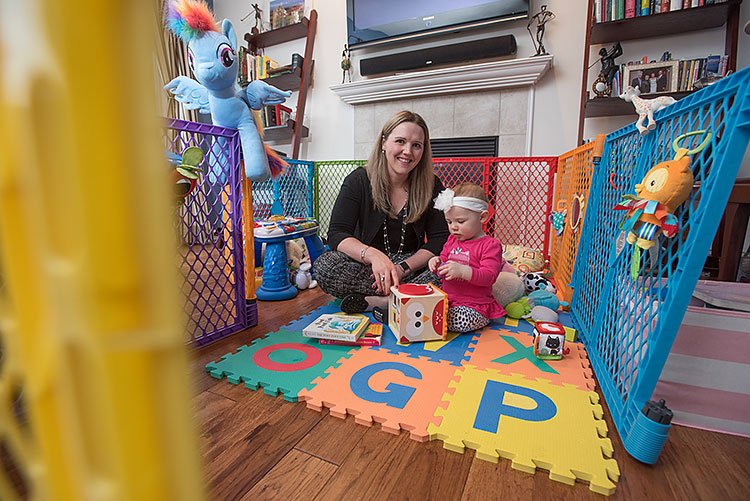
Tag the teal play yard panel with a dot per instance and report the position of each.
(329, 176)
(628, 324)
(293, 191)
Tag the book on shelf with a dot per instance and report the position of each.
(297, 61)
(629, 8)
(372, 336)
(615, 10)
(337, 327)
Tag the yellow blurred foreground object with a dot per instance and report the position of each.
(94, 393)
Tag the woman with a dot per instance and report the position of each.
(384, 227)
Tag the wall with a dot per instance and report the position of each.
(556, 96)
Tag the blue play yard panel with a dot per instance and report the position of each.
(629, 323)
(290, 195)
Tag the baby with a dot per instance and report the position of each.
(470, 261)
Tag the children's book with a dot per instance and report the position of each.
(337, 327)
(372, 336)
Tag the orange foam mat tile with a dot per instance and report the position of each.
(398, 391)
(511, 353)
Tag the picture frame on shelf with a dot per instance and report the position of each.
(286, 12)
(652, 78)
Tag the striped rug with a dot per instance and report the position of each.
(706, 380)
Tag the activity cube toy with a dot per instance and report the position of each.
(549, 340)
(417, 313)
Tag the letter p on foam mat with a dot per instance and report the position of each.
(533, 423)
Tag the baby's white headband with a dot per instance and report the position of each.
(447, 199)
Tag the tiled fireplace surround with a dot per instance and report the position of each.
(486, 99)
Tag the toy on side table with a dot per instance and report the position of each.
(645, 107)
(663, 189)
(417, 312)
(275, 233)
(549, 340)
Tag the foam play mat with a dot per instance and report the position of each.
(485, 391)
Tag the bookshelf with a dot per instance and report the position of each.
(647, 27)
(298, 80)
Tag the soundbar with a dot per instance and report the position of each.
(474, 50)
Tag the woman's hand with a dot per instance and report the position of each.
(434, 264)
(384, 272)
(455, 271)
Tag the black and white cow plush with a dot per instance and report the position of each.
(536, 281)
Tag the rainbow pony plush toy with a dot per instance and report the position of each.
(213, 59)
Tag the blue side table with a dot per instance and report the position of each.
(276, 285)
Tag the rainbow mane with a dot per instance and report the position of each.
(189, 18)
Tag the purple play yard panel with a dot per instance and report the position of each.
(209, 230)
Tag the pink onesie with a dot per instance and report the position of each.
(485, 257)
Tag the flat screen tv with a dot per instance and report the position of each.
(371, 22)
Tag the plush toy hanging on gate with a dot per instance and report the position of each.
(213, 59)
(651, 210)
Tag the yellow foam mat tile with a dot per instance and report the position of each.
(558, 428)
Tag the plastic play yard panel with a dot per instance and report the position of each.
(210, 247)
(629, 325)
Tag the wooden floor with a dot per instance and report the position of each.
(259, 447)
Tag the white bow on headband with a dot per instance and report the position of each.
(447, 199)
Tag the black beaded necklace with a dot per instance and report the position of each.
(387, 242)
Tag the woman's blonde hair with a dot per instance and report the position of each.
(470, 190)
(421, 178)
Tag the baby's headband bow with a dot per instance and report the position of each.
(447, 199)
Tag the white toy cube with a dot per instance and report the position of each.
(549, 340)
(417, 312)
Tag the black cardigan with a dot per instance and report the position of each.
(354, 215)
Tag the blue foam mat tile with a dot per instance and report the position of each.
(455, 351)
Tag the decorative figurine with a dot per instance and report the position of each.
(258, 16)
(603, 83)
(645, 107)
(346, 64)
(541, 18)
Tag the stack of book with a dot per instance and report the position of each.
(614, 10)
(335, 327)
(254, 67)
(692, 70)
(372, 336)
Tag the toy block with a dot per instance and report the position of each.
(549, 340)
(417, 312)
(571, 335)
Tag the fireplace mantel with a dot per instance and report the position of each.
(473, 77)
